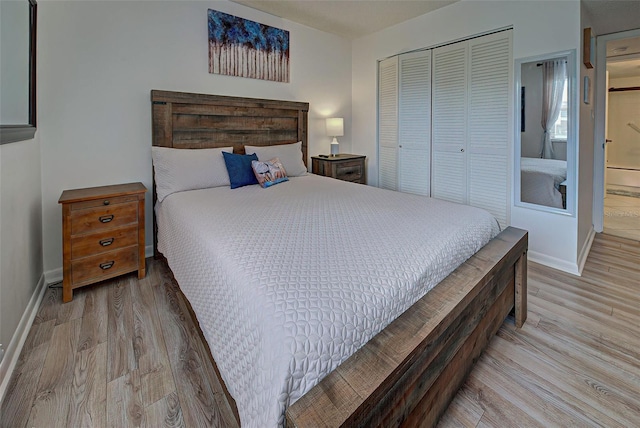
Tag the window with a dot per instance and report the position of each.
(559, 130)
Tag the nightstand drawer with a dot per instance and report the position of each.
(349, 171)
(94, 219)
(103, 266)
(101, 242)
(103, 202)
(344, 167)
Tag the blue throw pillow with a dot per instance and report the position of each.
(239, 169)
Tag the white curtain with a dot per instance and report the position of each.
(554, 75)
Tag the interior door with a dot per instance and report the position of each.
(414, 133)
(490, 132)
(388, 123)
(449, 123)
(606, 133)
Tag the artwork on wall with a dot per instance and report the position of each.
(244, 48)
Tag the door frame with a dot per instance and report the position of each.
(599, 129)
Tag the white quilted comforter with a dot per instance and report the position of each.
(540, 181)
(288, 282)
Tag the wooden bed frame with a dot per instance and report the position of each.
(409, 372)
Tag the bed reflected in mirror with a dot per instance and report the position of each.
(545, 138)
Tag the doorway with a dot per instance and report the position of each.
(617, 135)
(622, 132)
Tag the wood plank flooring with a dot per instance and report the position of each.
(576, 361)
(127, 353)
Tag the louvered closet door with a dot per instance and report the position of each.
(388, 123)
(489, 115)
(414, 119)
(449, 104)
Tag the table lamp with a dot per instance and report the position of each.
(335, 128)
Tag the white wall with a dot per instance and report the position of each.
(585, 153)
(20, 232)
(621, 82)
(538, 28)
(99, 60)
(531, 139)
(624, 108)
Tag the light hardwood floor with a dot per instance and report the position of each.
(126, 353)
(622, 215)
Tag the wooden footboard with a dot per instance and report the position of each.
(408, 374)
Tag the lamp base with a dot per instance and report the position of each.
(335, 147)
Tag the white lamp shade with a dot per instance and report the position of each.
(335, 127)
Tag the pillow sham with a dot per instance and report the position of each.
(239, 169)
(177, 170)
(289, 154)
(269, 173)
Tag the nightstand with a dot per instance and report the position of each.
(102, 234)
(343, 167)
(563, 191)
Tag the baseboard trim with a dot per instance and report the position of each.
(586, 248)
(8, 363)
(52, 276)
(553, 262)
(148, 251)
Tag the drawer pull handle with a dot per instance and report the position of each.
(107, 265)
(106, 242)
(106, 218)
(106, 202)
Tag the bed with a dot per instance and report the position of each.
(542, 181)
(312, 307)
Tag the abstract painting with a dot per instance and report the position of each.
(239, 47)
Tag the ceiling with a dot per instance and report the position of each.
(623, 57)
(613, 16)
(349, 18)
(356, 18)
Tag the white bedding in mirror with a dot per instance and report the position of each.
(540, 181)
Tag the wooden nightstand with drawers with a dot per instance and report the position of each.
(102, 233)
(343, 167)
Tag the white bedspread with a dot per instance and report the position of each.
(540, 181)
(288, 282)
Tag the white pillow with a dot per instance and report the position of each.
(188, 169)
(289, 154)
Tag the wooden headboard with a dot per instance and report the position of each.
(198, 121)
